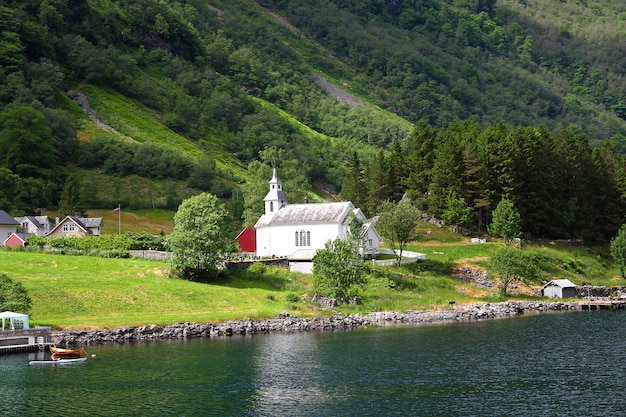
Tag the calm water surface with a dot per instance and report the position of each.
(570, 364)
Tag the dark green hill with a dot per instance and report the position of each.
(191, 95)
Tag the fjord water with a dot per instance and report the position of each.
(562, 364)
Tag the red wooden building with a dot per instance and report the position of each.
(247, 240)
(16, 239)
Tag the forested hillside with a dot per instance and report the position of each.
(144, 102)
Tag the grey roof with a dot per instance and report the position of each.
(34, 220)
(312, 213)
(563, 283)
(6, 218)
(91, 221)
(23, 235)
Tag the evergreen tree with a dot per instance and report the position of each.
(354, 186)
(421, 146)
(70, 203)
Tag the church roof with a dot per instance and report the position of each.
(311, 213)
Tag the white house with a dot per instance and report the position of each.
(76, 226)
(8, 225)
(286, 229)
(36, 225)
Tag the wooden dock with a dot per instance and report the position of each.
(31, 340)
(603, 305)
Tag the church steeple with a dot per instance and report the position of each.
(275, 198)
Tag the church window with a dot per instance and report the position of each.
(308, 238)
(271, 206)
(297, 239)
(302, 242)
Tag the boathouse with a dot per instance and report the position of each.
(559, 288)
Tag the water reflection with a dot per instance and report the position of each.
(288, 373)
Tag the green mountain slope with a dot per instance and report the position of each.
(187, 94)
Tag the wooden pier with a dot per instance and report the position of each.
(603, 305)
(31, 340)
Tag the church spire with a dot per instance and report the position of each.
(275, 198)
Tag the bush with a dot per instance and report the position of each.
(13, 296)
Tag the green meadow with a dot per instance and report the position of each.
(81, 292)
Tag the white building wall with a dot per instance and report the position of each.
(281, 238)
(552, 291)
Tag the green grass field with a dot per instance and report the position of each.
(81, 292)
(88, 292)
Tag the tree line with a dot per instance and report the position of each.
(561, 187)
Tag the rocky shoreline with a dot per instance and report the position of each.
(287, 323)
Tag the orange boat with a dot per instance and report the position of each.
(66, 353)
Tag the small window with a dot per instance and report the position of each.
(271, 206)
(68, 227)
(297, 240)
(308, 238)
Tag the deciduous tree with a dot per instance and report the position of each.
(506, 221)
(509, 265)
(13, 296)
(396, 223)
(338, 270)
(199, 241)
(618, 250)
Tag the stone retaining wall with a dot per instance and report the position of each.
(286, 323)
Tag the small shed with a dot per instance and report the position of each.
(559, 288)
(16, 321)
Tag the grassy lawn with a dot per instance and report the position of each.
(90, 292)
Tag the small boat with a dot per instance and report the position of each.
(64, 361)
(66, 353)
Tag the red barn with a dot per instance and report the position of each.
(247, 240)
(16, 239)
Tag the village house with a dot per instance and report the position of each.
(301, 229)
(8, 226)
(76, 226)
(17, 239)
(35, 225)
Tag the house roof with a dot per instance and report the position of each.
(72, 219)
(562, 283)
(6, 218)
(90, 221)
(21, 236)
(311, 213)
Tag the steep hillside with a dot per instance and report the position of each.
(195, 95)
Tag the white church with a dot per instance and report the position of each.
(296, 231)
